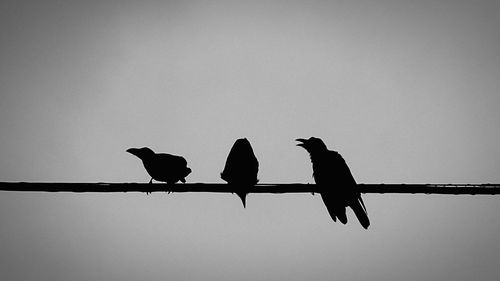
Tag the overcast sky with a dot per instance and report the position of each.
(406, 91)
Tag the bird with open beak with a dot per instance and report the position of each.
(335, 181)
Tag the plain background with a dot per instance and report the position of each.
(406, 91)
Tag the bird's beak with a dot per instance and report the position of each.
(133, 151)
(302, 142)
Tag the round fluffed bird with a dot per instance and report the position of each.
(241, 168)
(162, 166)
(336, 183)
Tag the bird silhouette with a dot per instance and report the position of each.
(335, 182)
(162, 166)
(241, 168)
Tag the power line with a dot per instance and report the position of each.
(79, 187)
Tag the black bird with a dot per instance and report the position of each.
(241, 168)
(161, 166)
(335, 181)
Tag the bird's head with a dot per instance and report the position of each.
(242, 149)
(312, 144)
(142, 153)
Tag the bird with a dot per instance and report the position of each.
(336, 184)
(241, 168)
(162, 166)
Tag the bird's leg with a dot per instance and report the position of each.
(169, 185)
(150, 182)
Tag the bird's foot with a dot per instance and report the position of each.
(168, 186)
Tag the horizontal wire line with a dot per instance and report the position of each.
(457, 189)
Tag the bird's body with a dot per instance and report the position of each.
(335, 181)
(241, 168)
(162, 166)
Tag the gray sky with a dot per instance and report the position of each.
(406, 91)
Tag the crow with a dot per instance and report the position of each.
(241, 168)
(335, 182)
(161, 166)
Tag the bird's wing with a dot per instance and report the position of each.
(171, 160)
(360, 211)
(353, 197)
(335, 207)
(342, 171)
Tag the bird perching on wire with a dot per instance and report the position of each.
(241, 168)
(162, 166)
(335, 182)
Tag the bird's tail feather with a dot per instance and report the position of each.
(243, 197)
(335, 209)
(362, 204)
(342, 217)
(359, 209)
(332, 213)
